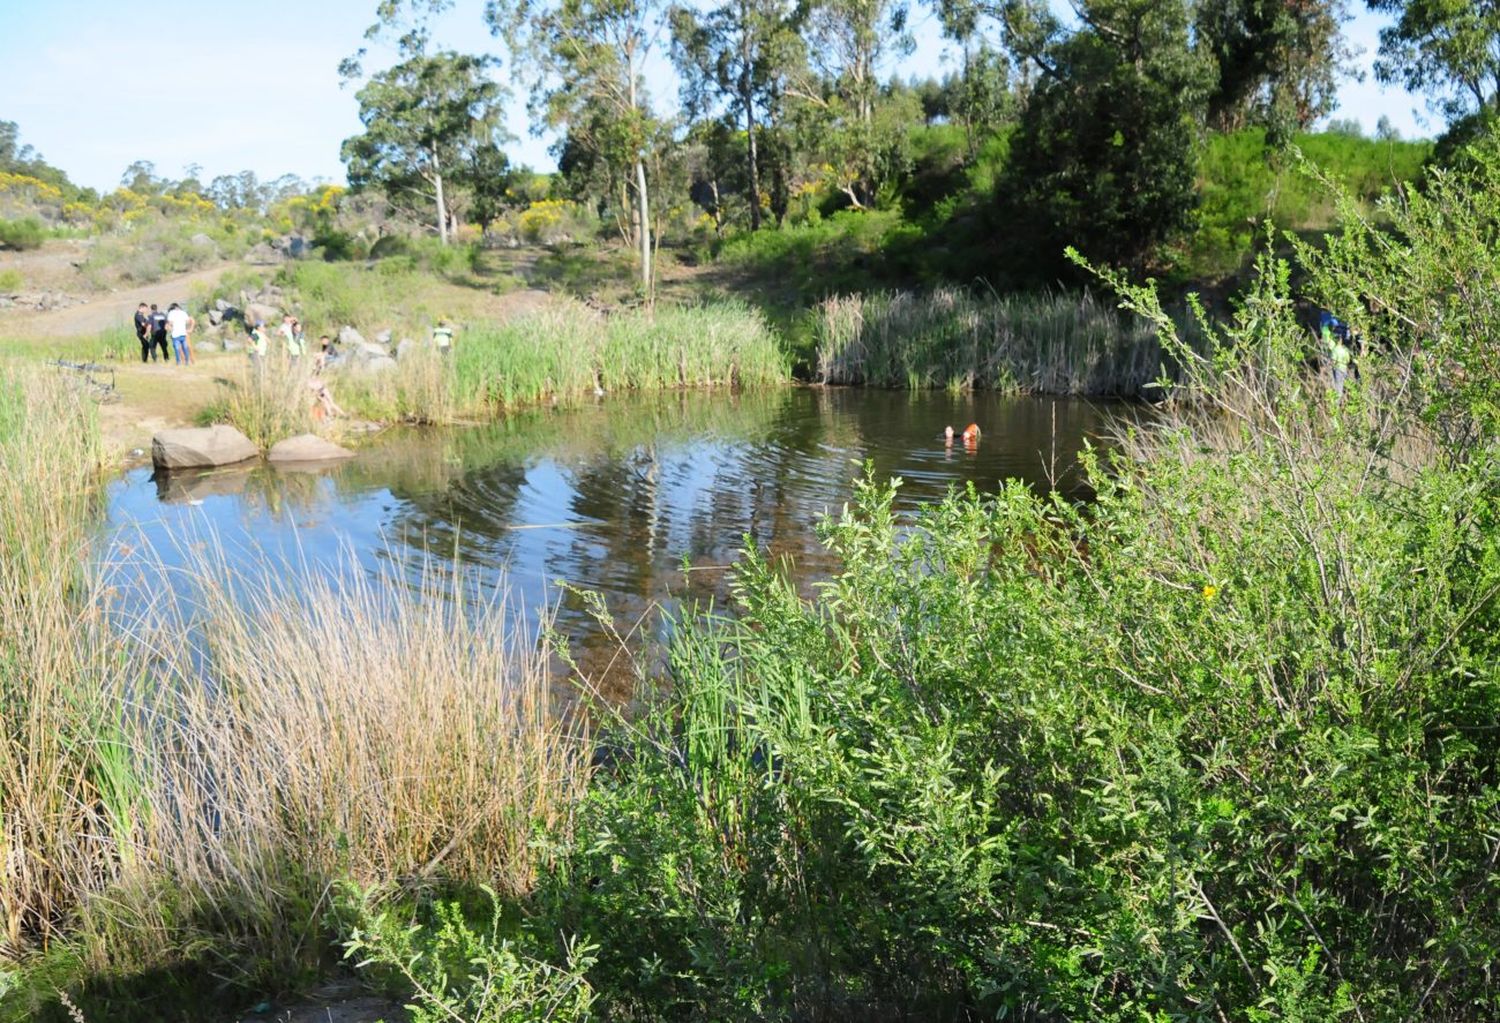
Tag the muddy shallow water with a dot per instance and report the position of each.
(611, 497)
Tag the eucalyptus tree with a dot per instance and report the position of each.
(1449, 49)
(851, 45)
(1278, 63)
(1105, 154)
(738, 56)
(433, 120)
(584, 62)
(422, 119)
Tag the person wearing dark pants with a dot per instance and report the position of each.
(143, 332)
(159, 330)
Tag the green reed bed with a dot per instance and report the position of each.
(571, 350)
(1065, 344)
(548, 354)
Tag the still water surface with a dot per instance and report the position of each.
(609, 497)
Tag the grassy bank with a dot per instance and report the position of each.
(557, 355)
(1034, 344)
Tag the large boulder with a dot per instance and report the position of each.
(201, 447)
(268, 314)
(379, 364)
(405, 348)
(264, 255)
(307, 447)
(350, 338)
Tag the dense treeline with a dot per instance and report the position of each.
(1104, 129)
(1091, 128)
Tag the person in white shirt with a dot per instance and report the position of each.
(180, 325)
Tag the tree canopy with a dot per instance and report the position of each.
(424, 120)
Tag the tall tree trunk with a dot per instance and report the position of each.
(643, 206)
(747, 97)
(442, 205)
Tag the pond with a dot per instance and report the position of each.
(612, 497)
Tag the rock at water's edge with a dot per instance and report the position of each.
(307, 447)
(201, 447)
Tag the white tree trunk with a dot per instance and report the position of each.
(442, 206)
(645, 215)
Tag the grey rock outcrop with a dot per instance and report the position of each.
(201, 447)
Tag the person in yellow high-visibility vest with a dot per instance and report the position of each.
(442, 336)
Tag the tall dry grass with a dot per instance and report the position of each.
(1039, 344)
(55, 683)
(266, 401)
(190, 761)
(309, 730)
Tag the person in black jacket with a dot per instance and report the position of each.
(143, 332)
(159, 330)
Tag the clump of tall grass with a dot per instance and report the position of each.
(184, 777)
(528, 360)
(54, 795)
(1071, 344)
(266, 401)
(420, 389)
(726, 344)
(570, 350)
(311, 729)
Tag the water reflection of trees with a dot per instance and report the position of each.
(613, 496)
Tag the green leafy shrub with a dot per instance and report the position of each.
(27, 233)
(457, 969)
(1217, 746)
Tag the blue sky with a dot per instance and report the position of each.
(231, 85)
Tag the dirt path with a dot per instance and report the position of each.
(113, 309)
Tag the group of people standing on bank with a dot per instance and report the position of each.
(293, 343)
(154, 326)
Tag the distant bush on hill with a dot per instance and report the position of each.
(26, 233)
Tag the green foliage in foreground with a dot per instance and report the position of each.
(1219, 746)
(457, 969)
